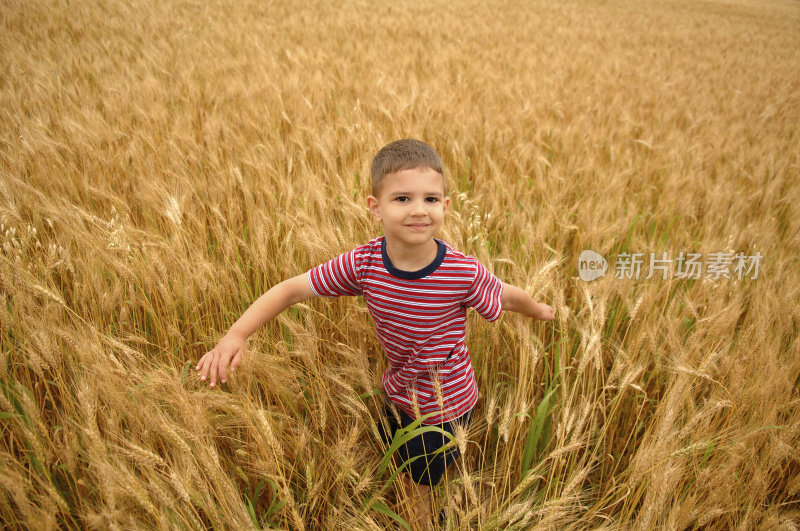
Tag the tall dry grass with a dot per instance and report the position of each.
(164, 163)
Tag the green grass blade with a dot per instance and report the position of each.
(381, 508)
(535, 431)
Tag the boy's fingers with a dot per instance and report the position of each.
(202, 360)
(207, 363)
(213, 371)
(237, 359)
(223, 367)
(231, 362)
(214, 364)
(201, 366)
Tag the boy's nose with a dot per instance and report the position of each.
(418, 209)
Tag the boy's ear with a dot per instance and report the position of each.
(374, 206)
(446, 204)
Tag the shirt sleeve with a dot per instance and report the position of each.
(337, 277)
(484, 293)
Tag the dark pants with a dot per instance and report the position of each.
(429, 468)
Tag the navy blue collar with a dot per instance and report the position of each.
(413, 275)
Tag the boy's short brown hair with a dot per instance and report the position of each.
(405, 154)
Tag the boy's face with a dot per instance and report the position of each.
(410, 204)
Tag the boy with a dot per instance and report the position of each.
(417, 290)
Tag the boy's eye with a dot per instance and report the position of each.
(405, 199)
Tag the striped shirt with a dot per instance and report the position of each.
(420, 319)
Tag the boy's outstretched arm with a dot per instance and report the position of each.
(517, 300)
(230, 348)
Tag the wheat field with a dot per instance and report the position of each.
(163, 163)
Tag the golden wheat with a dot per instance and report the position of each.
(164, 163)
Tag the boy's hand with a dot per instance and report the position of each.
(517, 300)
(544, 312)
(214, 363)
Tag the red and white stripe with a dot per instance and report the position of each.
(420, 323)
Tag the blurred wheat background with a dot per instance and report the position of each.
(163, 163)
